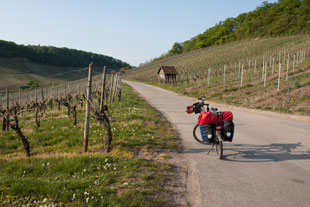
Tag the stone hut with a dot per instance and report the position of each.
(167, 74)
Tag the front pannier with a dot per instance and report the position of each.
(228, 131)
(207, 133)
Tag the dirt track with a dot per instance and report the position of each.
(267, 164)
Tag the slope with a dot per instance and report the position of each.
(268, 73)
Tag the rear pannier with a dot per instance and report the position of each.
(228, 131)
(207, 133)
(214, 118)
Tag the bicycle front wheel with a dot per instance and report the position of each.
(197, 134)
(219, 149)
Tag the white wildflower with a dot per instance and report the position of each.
(44, 200)
(87, 200)
(125, 183)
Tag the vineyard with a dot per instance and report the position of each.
(270, 73)
(85, 142)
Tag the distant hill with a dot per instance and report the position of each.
(63, 57)
(270, 19)
(20, 64)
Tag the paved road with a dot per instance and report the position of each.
(268, 164)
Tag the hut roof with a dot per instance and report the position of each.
(168, 70)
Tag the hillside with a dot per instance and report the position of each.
(286, 17)
(243, 73)
(46, 65)
(17, 72)
(62, 57)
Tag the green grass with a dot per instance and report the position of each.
(82, 180)
(135, 173)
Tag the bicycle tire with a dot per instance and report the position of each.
(196, 137)
(219, 149)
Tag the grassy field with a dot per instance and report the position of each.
(135, 173)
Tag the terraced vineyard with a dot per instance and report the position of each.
(270, 73)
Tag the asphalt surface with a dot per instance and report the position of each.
(267, 164)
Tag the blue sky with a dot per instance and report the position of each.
(131, 30)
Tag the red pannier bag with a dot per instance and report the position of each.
(213, 118)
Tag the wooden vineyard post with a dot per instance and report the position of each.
(266, 67)
(249, 65)
(260, 86)
(224, 73)
(112, 85)
(279, 77)
(239, 70)
(241, 76)
(287, 68)
(272, 65)
(209, 74)
(297, 59)
(115, 86)
(120, 87)
(102, 97)
(288, 90)
(254, 67)
(263, 70)
(86, 124)
(294, 63)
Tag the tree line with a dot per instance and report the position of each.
(63, 57)
(284, 17)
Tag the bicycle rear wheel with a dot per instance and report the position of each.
(197, 134)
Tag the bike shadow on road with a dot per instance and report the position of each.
(275, 152)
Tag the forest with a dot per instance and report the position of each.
(285, 17)
(63, 57)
